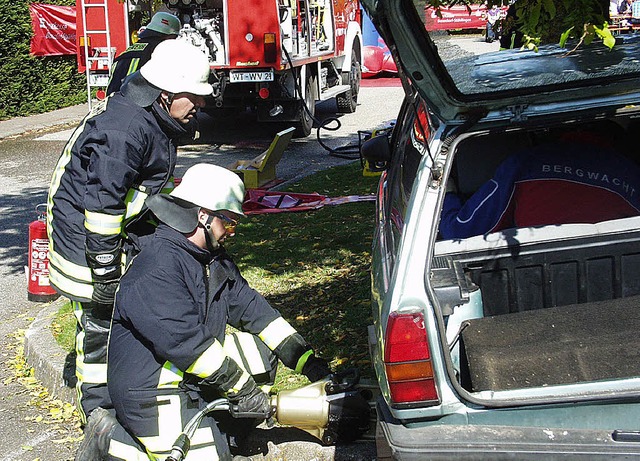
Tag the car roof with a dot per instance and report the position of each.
(457, 83)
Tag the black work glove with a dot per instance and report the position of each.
(105, 292)
(252, 403)
(105, 271)
(316, 369)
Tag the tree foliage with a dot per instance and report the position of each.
(556, 21)
(30, 84)
(550, 21)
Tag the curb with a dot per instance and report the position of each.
(43, 353)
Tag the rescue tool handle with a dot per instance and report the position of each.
(233, 409)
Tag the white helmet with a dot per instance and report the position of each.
(178, 67)
(202, 186)
(164, 23)
(212, 187)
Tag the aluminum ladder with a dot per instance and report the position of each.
(97, 67)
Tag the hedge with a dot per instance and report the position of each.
(29, 84)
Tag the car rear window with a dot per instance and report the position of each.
(477, 67)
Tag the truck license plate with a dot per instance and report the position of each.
(239, 76)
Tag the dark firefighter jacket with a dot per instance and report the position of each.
(120, 154)
(132, 59)
(169, 321)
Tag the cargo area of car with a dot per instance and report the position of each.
(559, 304)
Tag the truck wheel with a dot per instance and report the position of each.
(305, 118)
(348, 100)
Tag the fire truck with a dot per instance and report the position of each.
(275, 57)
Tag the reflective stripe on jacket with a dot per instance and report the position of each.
(117, 157)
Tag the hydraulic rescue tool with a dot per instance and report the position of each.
(332, 410)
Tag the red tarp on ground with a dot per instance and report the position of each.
(54, 30)
(258, 201)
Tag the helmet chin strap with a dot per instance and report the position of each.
(166, 102)
(212, 243)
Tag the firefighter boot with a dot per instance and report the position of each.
(97, 435)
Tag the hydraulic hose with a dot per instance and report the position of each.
(183, 442)
(349, 151)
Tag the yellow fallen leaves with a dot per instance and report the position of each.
(53, 411)
(17, 364)
(61, 411)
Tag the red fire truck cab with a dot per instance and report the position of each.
(276, 57)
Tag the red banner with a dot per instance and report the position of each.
(54, 29)
(458, 17)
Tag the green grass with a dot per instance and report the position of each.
(63, 327)
(313, 266)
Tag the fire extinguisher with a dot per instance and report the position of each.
(39, 289)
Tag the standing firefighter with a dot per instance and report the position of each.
(168, 351)
(122, 152)
(163, 26)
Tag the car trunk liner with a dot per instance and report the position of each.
(557, 345)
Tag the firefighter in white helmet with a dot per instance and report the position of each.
(168, 337)
(122, 152)
(163, 26)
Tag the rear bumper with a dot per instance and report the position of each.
(435, 441)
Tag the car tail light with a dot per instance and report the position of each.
(270, 50)
(407, 360)
(421, 124)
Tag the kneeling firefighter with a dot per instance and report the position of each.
(168, 351)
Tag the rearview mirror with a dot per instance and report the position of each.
(377, 152)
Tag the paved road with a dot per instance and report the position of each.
(26, 162)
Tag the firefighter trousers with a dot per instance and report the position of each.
(92, 335)
(156, 417)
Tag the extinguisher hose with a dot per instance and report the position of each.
(41, 209)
